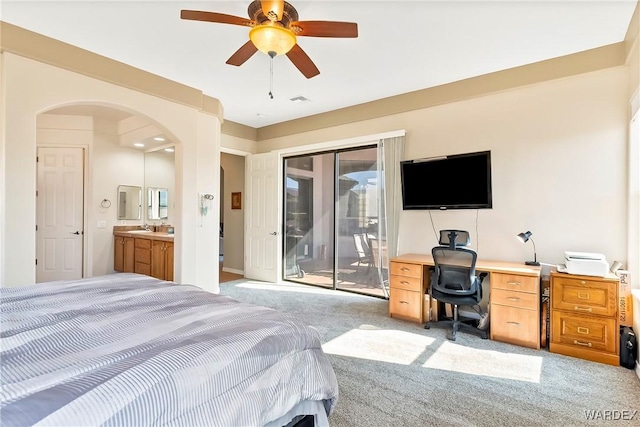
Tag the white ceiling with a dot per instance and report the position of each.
(402, 46)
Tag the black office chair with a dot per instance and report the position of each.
(454, 281)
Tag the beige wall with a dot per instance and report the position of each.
(31, 88)
(233, 218)
(558, 163)
(557, 131)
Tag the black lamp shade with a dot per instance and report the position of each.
(524, 237)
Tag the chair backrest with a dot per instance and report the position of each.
(362, 246)
(454, 238)
(455, 265)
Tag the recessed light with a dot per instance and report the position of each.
(169, 150)
(158, 138)
(138, 144)
(261, 115)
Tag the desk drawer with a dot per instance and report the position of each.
(515, 282)
(408, 283)
(585, 296)
(586, 332)
(515, 299)
(406, 304)
(515, 326)
(406, 269)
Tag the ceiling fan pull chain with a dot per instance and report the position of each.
(271, 55)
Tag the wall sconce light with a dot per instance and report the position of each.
(524, 238)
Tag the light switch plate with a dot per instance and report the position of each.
(102, 224)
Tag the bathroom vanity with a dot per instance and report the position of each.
(148, 252)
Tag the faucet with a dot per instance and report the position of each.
(146, 227)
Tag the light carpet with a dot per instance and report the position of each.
(396, 373)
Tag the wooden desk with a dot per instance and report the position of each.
(514, 301)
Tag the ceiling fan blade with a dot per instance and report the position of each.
(326, 29)
(273, 9)
(198, 15)
(245, 52)
(302, 62)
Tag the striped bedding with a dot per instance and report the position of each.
(130, 350)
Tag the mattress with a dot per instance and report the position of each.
(127, 349)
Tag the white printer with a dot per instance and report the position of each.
(586, 263)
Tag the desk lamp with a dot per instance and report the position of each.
(524, 238)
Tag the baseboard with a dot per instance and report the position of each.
(233, 270)
(637, 369)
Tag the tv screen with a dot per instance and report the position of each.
(461, 181)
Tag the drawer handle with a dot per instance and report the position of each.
(583, 295)
(583, 330)
(585, 344)
(404, 302)
(578, 308)
(404, 269)
(513, 323)
(514, 283)
(514, 299)
(404, 282)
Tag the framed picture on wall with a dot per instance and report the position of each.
(236, 200)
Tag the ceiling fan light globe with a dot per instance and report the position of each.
(272, 38)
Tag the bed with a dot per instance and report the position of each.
(129, 350)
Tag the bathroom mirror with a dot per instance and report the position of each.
(129, 202)
(157, 203)
(159, 183)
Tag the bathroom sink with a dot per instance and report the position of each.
(140, 231)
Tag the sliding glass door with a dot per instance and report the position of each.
(333, 221)
(308, 221)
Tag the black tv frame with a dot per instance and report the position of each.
(449, 206)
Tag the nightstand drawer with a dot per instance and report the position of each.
(405, 304)
(585, 296)
(514, 282)
(406, 269)
(587, 332)
(408, 283)
(515, 299)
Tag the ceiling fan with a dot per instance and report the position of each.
(274, 31)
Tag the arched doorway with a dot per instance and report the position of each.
(109, 148)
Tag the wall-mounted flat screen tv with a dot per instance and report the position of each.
(460, 181)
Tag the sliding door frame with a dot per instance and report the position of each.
(336, 209)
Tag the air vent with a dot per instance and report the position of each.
(299, 98)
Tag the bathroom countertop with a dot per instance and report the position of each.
(140, 234)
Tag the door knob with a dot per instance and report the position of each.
(275, 233)
(75, 232)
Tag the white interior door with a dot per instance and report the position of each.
(60, 206)
(263, 243)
